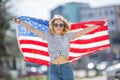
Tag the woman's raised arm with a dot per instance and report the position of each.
(28, 27)
(85, 31)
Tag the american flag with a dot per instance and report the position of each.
(35, 50)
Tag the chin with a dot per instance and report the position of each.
(58, 31)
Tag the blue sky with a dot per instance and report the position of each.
(41, 8)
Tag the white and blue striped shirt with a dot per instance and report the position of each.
(58, 45)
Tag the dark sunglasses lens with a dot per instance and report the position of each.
(56, 25)
(61, 25)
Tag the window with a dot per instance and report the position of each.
(106, 13)
(90, 15)
(116, 40)
(111, 12)
(112, 23)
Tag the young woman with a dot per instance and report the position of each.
(58, 38)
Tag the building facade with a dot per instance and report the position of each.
(112, 13)
(70, 11)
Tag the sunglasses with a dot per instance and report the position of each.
(60, 25)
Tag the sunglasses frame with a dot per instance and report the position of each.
(59, 25)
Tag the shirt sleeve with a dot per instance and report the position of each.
(71, 35)
(44, 35)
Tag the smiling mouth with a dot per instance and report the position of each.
(58, 29)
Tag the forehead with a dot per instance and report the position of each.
(58, 21)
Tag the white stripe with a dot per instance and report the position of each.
(72, 45)
(77, 30)
(74, 59)
(32, 46)
(90, 45)
(87, 36)
(106, 22)
(32, 38)
(72, 54)
(37, 56)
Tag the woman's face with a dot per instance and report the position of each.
(58, 26)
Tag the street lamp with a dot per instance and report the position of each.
(91, 65)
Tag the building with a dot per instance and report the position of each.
(70, 11)
(112, 13)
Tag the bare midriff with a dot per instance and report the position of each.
(60, 60)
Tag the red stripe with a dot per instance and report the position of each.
(76, 50)
(38, 61)
(35, 51)
(102, 28)
(100, 22)
(78, 57)
(82, 24)
(71, 57)
(92, 40)
(74, 26)
(33, 42)
(101, 38)
(82, 27)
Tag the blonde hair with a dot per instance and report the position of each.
(51, 24)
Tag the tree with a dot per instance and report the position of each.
(5, 17)
(5, 44)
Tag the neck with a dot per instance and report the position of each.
(58, 34)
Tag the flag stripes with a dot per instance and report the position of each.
(35, 50)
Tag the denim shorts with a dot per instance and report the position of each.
(61, 72)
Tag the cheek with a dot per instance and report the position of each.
(53, 28)
(62, 28)
(57, 28)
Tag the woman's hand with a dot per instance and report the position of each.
(16, 20)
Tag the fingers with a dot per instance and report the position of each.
(16, 20)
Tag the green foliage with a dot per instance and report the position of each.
(37, 77)
(5, 17)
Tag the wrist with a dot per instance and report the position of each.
(20, 21)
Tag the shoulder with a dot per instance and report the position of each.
(70, 35)
(46, 35)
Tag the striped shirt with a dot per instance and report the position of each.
(58, 45)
